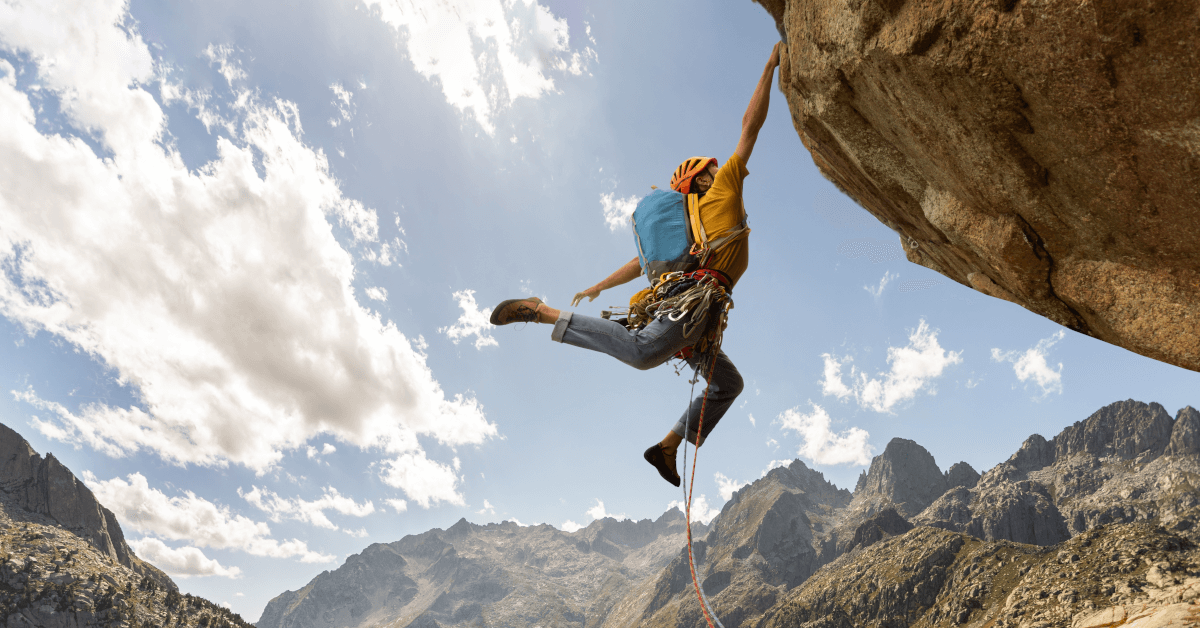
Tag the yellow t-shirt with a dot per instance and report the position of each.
(721, 209)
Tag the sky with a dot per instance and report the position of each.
(249, 250)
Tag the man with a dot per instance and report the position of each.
(721, 212)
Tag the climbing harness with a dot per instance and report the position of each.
(709, 357)
(690, 297)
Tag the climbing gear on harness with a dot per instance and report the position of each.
(691, 297)
(516, 311)
(657, 456)
(681, 180)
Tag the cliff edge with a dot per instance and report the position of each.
(1045, 153)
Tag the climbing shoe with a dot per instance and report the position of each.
(658, 457)
(516, 311)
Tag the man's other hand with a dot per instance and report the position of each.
(590, 293)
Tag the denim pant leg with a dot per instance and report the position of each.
(642, 349)
(723, 388)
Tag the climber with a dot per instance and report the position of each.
(716, 195)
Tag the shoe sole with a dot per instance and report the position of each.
(653, 455)
(495, 317)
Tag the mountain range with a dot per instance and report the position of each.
(1100, 520)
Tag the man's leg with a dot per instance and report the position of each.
(642, 349)
(723, 388)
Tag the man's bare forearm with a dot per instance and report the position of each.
(756, 112)
(625, 274)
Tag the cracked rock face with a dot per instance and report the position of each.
(1045, 152)
(64, 562)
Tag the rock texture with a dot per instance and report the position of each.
(1045, 152)
(1108, 577)
(45, 486)
(64, 562)
(1112, 467)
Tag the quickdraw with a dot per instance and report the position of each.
(690, 296)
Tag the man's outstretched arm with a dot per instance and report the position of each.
(756, 113)
(624, 274)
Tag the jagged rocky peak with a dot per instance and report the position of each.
(961, 474)
(1035, 453)
(1125, 429)
(1185, 436)
(905, 476)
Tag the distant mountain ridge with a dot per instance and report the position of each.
(1129, 462)
(504, 573)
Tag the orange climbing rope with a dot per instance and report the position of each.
(713, 350)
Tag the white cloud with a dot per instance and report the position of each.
(311, 512)
(182, 562)
(218, 294)
(570, 526)
(1031, 364)
(485, 53)
(727, 486)
(376, 293)
(701, 510)
(328, 449)
(775, 464)
(192, 519)
(487, 509)
(821, 444)
(752, 423)
(472, 322)
(913, 368)
(831, 380)
(424, 480)
(878, 290)
(342, 100)
(617, 211)
(598, 512)
(360, 533)
(399, 505)
(222, 57)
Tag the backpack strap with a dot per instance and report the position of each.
(702, 246)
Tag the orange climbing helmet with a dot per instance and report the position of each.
(681, 181)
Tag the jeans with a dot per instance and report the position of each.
(649, 347)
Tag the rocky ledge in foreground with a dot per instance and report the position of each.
(1042, 152)
(64, 562)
